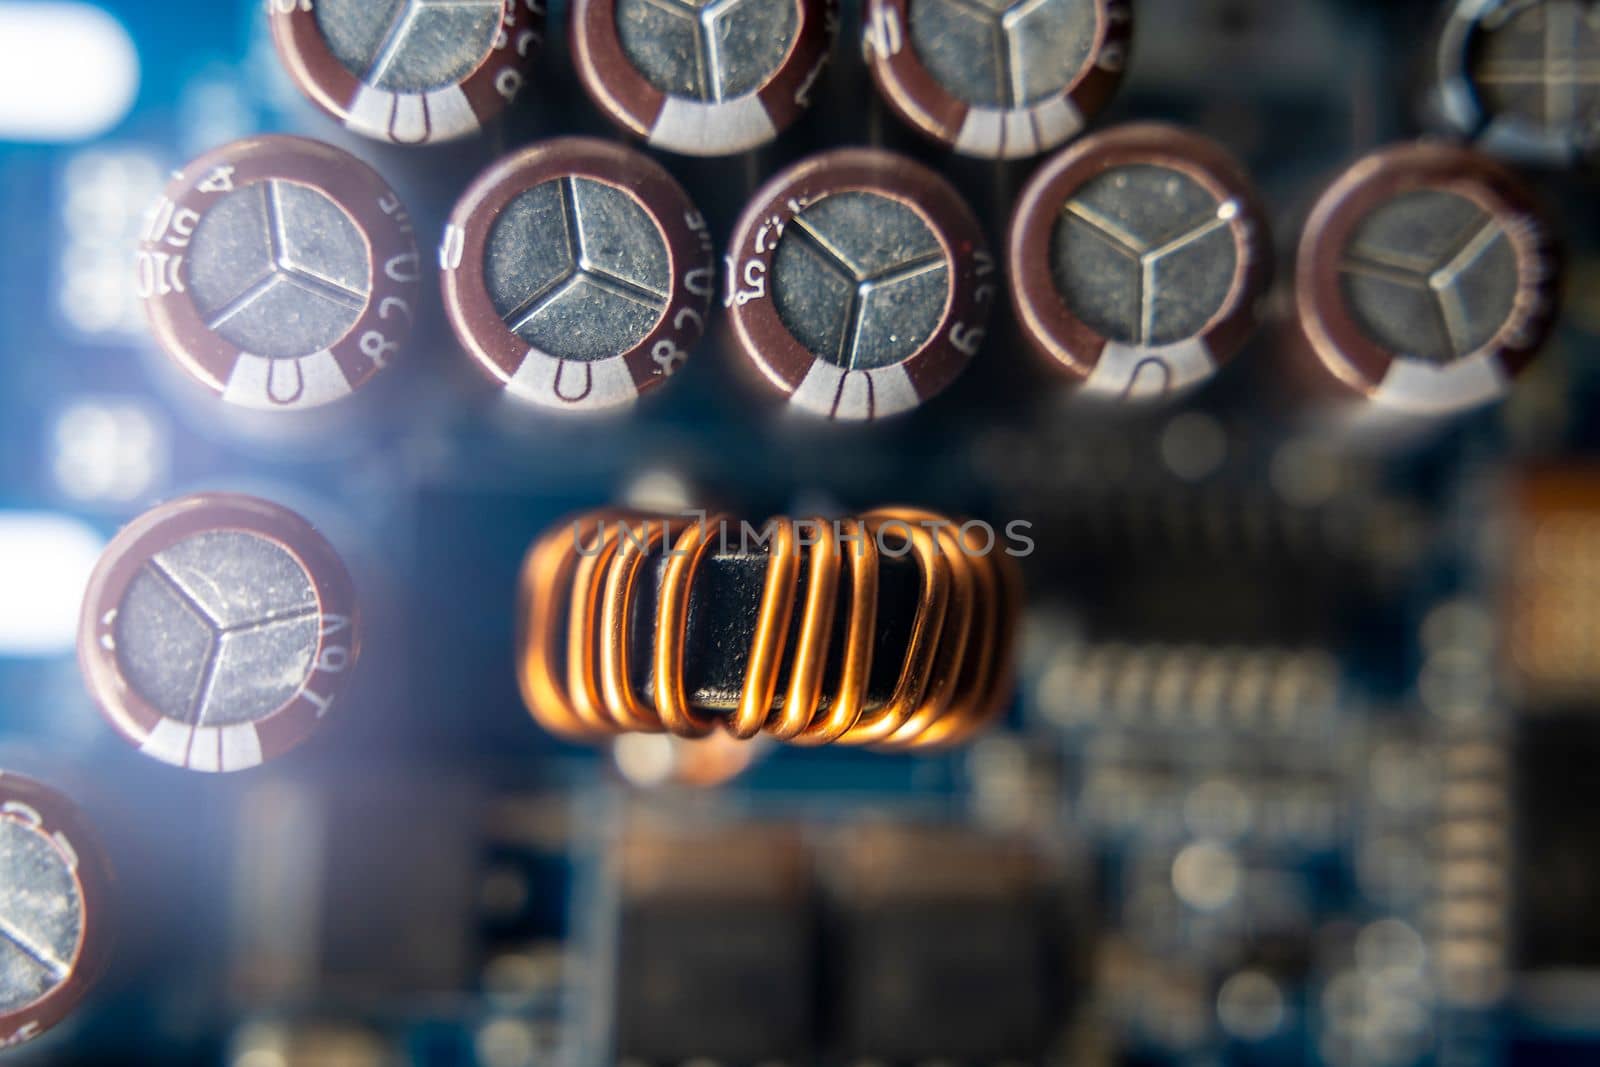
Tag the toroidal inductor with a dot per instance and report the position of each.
(895, 629)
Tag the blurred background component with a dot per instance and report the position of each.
(1518, 76)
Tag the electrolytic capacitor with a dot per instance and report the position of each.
(859, 284)
(578, 274)
(999, 79)
(1138, 260)
(702, 78)
(409, 71)
(217, 631)
(55, 925)
(280, 272)
(1521, 78)
(1427, 278)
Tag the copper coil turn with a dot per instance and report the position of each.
(813, 669)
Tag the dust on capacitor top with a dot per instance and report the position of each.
(998, 79)
(859, 284)
(578, 274)
(55, 886)
(1521, 78)
(217, 631)
(280, 272)
(1138, 260)
(702, 77)
(1427, 278)
(409, 71)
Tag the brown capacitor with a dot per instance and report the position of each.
(859, 284)
(217, 631)
(409, 73)
(280, 272)
(1138, 260)
(996, 80)
(702, 79)
(1427, 278)
(55, 909)
(577, 274)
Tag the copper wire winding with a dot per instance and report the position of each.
(576, 602)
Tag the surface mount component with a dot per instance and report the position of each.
(951, 949)
(1427, 278)
(1138, 260)
(217, 631)
(1000, 79)
(901, 625)
(702, 77)
(1554, 876)
(1521, 77)
(721, 916)
(280, 272)
(325, 899)
(577, 274)
(409, 71)
(859, 284)
(55, 908)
